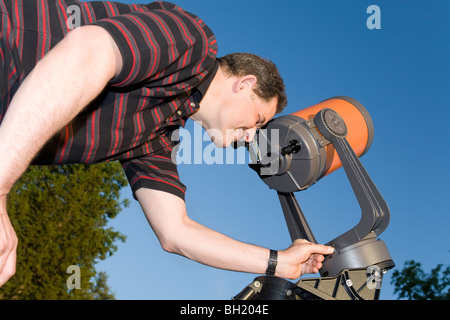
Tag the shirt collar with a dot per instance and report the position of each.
(206, 82)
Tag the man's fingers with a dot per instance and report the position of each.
(315, 248)
(8, 247)
(9, 268)
(321, 249)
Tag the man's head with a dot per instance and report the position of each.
(245, 94)
(269, 81)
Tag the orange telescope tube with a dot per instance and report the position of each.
(359, 126)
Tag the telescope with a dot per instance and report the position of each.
(290, 154)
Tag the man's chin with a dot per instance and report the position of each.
(222, 144)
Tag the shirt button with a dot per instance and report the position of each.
(193, 104)
(179, 112)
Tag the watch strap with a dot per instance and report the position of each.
(273, 261)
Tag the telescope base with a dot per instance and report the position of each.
(350, 284)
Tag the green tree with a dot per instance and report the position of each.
(413, 283)
(101, 290)
(60, 215)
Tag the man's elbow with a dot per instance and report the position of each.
(171, 243)
(168, 246)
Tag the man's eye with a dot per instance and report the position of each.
(260, 123)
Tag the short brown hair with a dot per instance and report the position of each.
(269, 82)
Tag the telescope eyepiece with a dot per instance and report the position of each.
(294, 146)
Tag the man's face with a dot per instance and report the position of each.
(239, 120)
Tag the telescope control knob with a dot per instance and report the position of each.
(330, 124)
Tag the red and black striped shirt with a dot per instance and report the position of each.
(169, 60)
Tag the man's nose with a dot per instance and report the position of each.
(249, 134)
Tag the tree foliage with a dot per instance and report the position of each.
(413, 283)
(60, 215)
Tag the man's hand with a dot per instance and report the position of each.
(300, 258)
(8, 245)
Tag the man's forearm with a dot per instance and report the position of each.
(179, 234)
(212, 248)
(57, 89)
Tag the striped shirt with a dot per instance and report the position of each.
(169, 60)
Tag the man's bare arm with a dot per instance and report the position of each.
(57, 89)
(179, 234)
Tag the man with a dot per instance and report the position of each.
(115, 88)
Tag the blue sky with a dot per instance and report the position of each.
(400, 73)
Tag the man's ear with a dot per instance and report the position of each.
(247, 81)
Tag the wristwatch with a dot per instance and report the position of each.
(272, 263)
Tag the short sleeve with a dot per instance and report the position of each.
(157, 172)
(161, 47)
